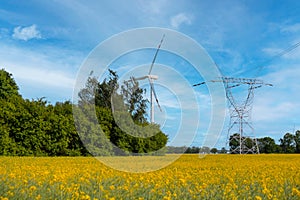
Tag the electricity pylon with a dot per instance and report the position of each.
(240, 130)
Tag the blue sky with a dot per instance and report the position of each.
(43, 44)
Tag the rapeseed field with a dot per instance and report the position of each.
(189, 177)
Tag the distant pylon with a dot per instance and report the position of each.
(240, 130)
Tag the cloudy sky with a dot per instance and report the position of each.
(44, 43)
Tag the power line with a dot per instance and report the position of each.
(278, 55)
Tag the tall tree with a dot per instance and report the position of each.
(134, 100)
(87, 94)
(287, 143)
(266, 145)
(105, 90)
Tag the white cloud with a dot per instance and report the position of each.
(45, 77)
(291, 28)
(266, 112)
(278, 104)
(51, 73)
(179, 19)
(26, 33)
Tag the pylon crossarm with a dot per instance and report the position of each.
(232, 86)
(257, 87)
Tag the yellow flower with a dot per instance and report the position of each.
(220, 176)
(38, 197)
(32, 188)
(258, 198)
(296, 192)
(112, 187)
(182, 180)
(85, 197)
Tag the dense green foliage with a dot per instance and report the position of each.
(35, 127)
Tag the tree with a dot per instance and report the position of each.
(234, 142)
(105, 90)
(34, 127)
(237, 143)
(223, 150)
(192, 149)
(266, 145)
(74, 145)
(134, 100)
(92, 136)
(87, 94)
(214, 150)
(8, 86)
(287, 143)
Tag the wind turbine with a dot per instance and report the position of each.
(150, 78)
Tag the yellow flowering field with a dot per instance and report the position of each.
(190, 177)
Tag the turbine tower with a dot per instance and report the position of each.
(240, 126)
(150, 78)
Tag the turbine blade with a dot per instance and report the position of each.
(153, 61)
(141, 78)
(155, 96)
(198, 84)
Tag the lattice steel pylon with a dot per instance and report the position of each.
(241, 135)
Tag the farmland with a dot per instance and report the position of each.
(189, 177)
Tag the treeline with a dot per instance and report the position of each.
(37, 128)
(194, 150)
(289, 143)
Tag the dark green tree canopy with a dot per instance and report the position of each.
(267, 145)
(288, 143)
(8, 86)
